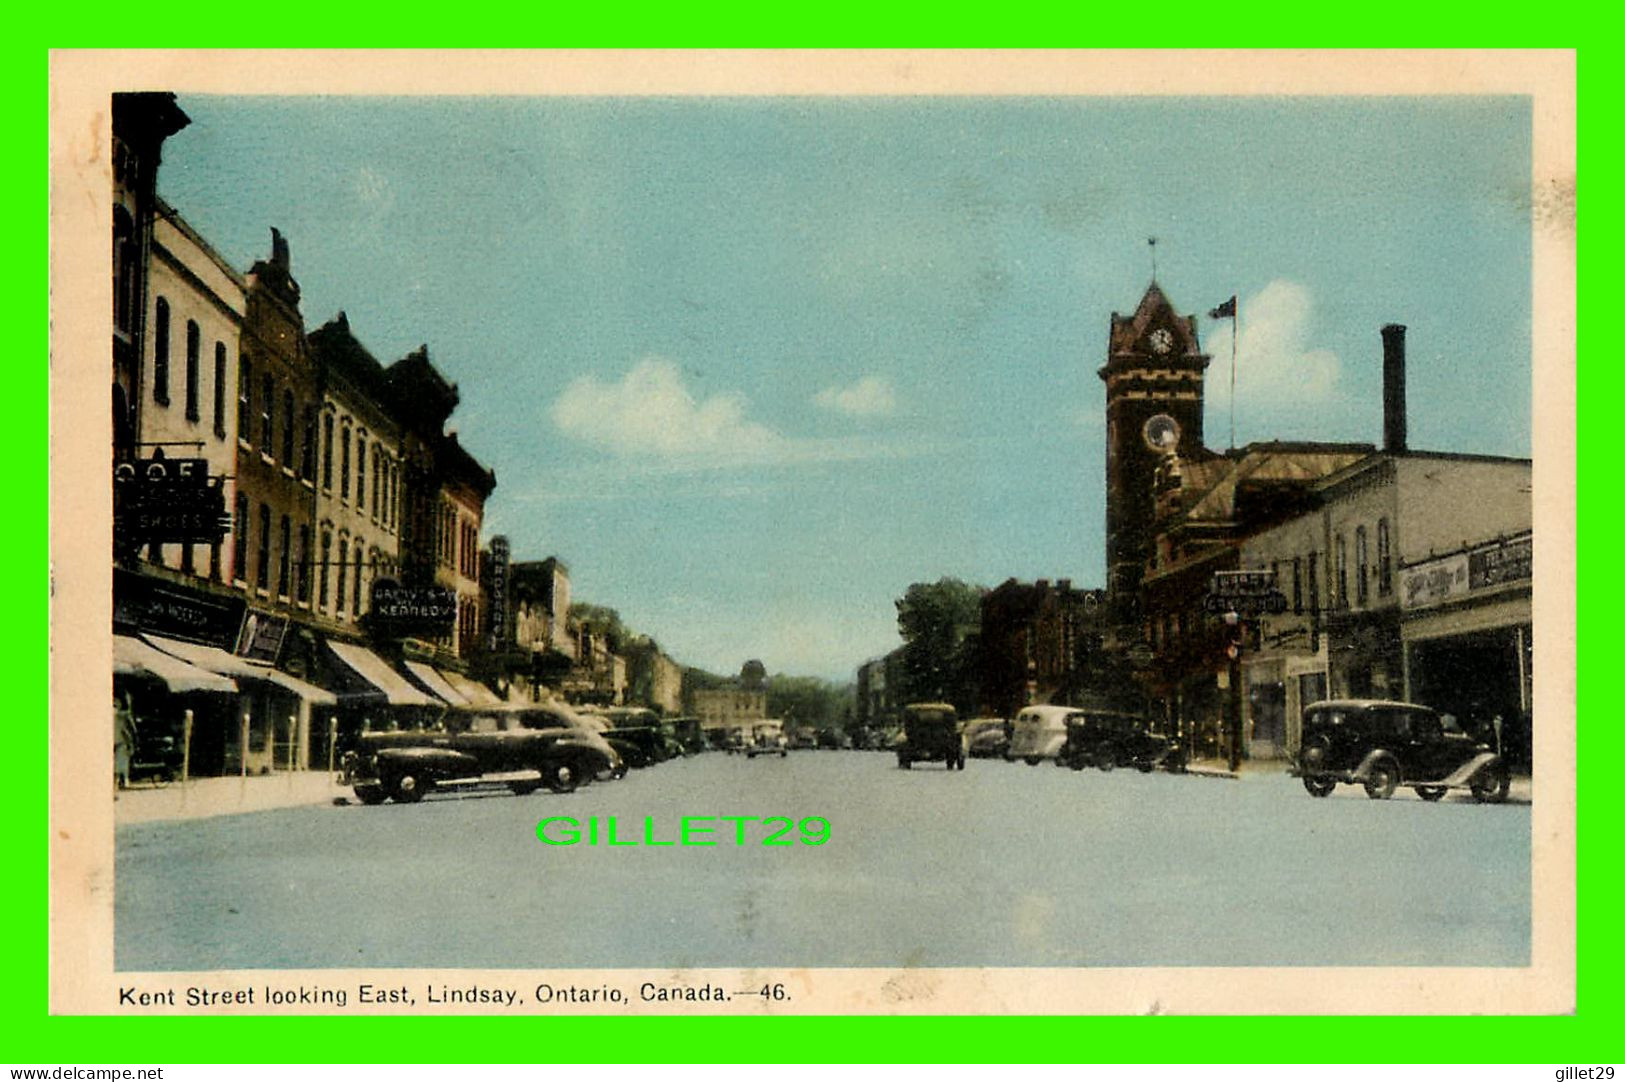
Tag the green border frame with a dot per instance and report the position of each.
(32, 1036)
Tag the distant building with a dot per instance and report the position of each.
(653, 679)
(879, 685)
(1035, 644)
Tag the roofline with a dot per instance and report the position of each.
(173, 216)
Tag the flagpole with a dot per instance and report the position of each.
(1235, 333)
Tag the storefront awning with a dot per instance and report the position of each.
(132, 657)
(371, 668)
(219, 661)
(430, 678)
(475, 692)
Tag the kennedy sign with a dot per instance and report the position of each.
(412, 610)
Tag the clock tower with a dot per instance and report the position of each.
(1153, 375)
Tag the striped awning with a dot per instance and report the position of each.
(220, 661)
(475, 692)
(132, 657)
(372, 668)
(430, 678)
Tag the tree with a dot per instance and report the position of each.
(935, 619)
(806, 701)
(603, 621)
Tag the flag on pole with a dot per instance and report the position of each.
(1227, 310)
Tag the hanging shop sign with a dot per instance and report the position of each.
(497, 585)
(168, 501)
(1246, 593)
(401, 611)
(262, 636)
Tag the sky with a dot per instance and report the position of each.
(752, 366)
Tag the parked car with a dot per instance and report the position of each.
(804, 740)
(1108, 738)
(1382, 745)
(768, 741)
(689, 735)
(1038, 733)
(833, 739)
(987, 738)
(931, 734)
(522, 748)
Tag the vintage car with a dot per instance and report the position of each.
(832, 739)
(523, 748)
(931, 734)
(1109, 738)
(1382, 745)
(768, 739)
(987, 738)
(1038, 733)
(688, 734)
(804, 740)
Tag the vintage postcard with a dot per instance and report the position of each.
(812, 533)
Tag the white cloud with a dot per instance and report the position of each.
(871, 396)
(1274, 360)
(650, 413)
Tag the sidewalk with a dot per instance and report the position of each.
(203, 797)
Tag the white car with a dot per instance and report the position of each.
(1038, 733)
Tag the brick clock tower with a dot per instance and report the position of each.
(1153, 375)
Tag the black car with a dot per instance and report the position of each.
(1106, 739)
(931, 734)
(523, 749)
(1383, 745)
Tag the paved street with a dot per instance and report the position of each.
(999, 865)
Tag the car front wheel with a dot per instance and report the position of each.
(561, 777)
(1430, 793)
(1319, 786)
(407, 789)
(1106, 759)
(370, 794)
(1381, 781)
(1491, 784)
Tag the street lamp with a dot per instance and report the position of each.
(1232, 620)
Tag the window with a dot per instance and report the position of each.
(1385, 564)
(220, 389)
(239, 540)
(124, 264)
(302, 572)
(321, 572)
(307, 446)
(1361, 590)
(284, 554)
(360, 470)
(377, 476)
(245, 399)
(1297, 584)
(344, 464)
(194, 348)
(327, 451)
(1341, 598)
(262, 574)
(356, 607)
(1314, 601)
(338, 595)
(267, 415)
(288, 420)
(160, 353)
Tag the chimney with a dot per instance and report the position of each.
(1393, 388)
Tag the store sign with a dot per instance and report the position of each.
(497, 586)
(399, 611)
(168, 501)
(146, 604)
(1511, 561)
(1246, 593)
(1435, 581)
(262, 636)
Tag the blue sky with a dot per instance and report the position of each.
(750, 367)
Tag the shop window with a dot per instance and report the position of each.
(239, 541)
(1361, 589)
(160, 353)
(194, 348)
(1385, 561)
(284, 554)
(262, 574)
(220, 389)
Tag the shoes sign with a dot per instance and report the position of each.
(168, 501)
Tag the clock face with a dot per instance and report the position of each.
(1161, 433)
(1161, 340)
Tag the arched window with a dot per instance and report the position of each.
(302, 572)
(245, 399)
(356, 607)
(239, 541)
(327, 451)
(289, 419)
(124, 268)
(1361, 590)
(338, 595)
(194, 350)
(1385, 563)
(284, 555)
(344, 463)
(321, 572)
(160, 352)
(360, 470)
(262, 573)
(220, 389)
(267, 414)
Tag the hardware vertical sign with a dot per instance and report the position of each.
(498, 587)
